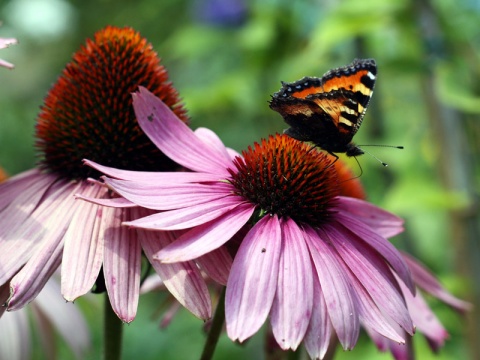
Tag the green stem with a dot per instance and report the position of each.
(215, 329)
(113, 329)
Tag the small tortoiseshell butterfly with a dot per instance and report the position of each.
(328, 111)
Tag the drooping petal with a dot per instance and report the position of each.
(17, 185)
(154, 177)
(341, 304)
(289, 316)
(171, 196)
(188, 217)
(253, 279)
(319, 332)
(374, 275)
(84, 247)
(216, 264)
(30, 280)
(207, 237)
(121, 263)
(15, 340)
(384, 223)
(174, 138)
(118, 202)
(425, 280)
(182, 279)
(380, 244)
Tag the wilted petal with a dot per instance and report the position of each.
(289, 316)
(341, 304)
(121, 264)
(84, 247)
(253, 279)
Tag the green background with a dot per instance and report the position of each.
(427, 98)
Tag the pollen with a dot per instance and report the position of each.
(88, 112)
(288, 178)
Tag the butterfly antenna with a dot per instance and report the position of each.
(376, 158)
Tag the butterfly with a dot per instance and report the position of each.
(328, 111)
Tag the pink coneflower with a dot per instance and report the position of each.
(88, 113)
(311, 260)
(4, 43)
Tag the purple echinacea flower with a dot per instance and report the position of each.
(313, 261)
(88, 113)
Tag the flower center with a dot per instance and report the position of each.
(88, 112)
(285, 177)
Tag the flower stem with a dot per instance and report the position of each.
(215, 329)
(112, 333)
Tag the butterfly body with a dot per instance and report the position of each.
(328, 111)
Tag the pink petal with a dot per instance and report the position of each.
(84, 246)
(121, 263)
(253, 279)
(206, 237)
(111, 202)
(6, 64)
(290, 317)
(182, 279)
(341, 304)
(174, 138)
(171, 196)
(380, 244)
(212, 140)
(15, 339)
(383, 222)
(47, 257)
(424, 279)
(188, 217)
(17, 185)
(217, 264)
(319, 332)
(155, 177)
(6, 42)
(373, 274)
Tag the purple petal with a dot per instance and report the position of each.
(341, 304)
(27, 181)
(15, 338)
(319, 332)
(174, 138)
(373, 274)
(253, 279)
(121, 264)
(112, 202)
(171, 196)
(290, 317)
(188, 217)
(425, 319)
(424, 279)
(29, 281)
(155, 177)
(84, 246)
(384, 223)
(182, 279)
(217, 264)
(212, 140)
(380, 244)
(207, 237)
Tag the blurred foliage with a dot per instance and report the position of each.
(227, 60)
